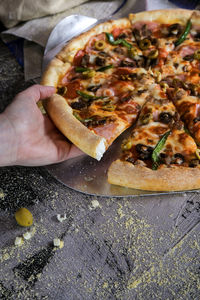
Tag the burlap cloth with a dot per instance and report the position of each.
(42, 16)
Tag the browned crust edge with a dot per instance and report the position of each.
(165, 16)
(164, 179)
(62, 116)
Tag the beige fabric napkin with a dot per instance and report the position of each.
(36, 31)
(13, 12)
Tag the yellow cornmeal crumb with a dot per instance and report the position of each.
(94, 204)
(105, 285)
(145, 277)
(61, 244)
(2, 195)
(128, 223)
(6, 256)
(120, 212)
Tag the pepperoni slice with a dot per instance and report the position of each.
(124, 71)
(72, 87)
(116, 32)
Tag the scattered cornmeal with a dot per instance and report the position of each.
(27, 235)
(94, 204)
(18, 241)
(24, 217)
(58, 243)
(61, 218)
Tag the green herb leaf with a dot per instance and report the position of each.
(85, 95)
(81, 69)
(88, 96)
(104, 68)
(184, 34)
(112, 41)
(78, 117)
(157, 149)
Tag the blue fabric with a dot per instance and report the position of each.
(17, 49)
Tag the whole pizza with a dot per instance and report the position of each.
(141, 72)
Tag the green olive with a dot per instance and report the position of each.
(158, 76)
(145, 119)
(109, 107)
(198, 153)
(153, 54)
(24, 217)
(133, 52)
(164, 86)
(197, 54)
(144, 44)
(100, 45)
(89, 74)
(127, 145)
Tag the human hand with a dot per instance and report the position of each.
(27, 136)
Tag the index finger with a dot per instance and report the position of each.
(38, 92)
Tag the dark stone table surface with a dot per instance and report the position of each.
(114, 248)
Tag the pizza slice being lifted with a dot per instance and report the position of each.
(101, 91)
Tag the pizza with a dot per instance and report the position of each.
(143, 73)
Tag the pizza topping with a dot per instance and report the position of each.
(174, 29)
(144, 44)
(88, 74)
(127, 63)
(118, 50)
(88, 96)
(198, 153)
(102, 69)
(78, 57)
(196, 36)
(144, 152)
(81, 69)
(197, 54)
(189, 57)
(93, 88)
(112, 41)
(165, 117)
(78, 104)
(100, 45)
(100, 61)
(126, 145)
(153, 54)
(61, 90)
(184, 34)
(194, 163)
(85, 60)
(178, 158)
(157, 150)
(72, 88)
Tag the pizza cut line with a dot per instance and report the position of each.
(142, 71)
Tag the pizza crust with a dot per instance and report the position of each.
(175, 178)
(62, 115)
(164, 16)
(54, 71)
